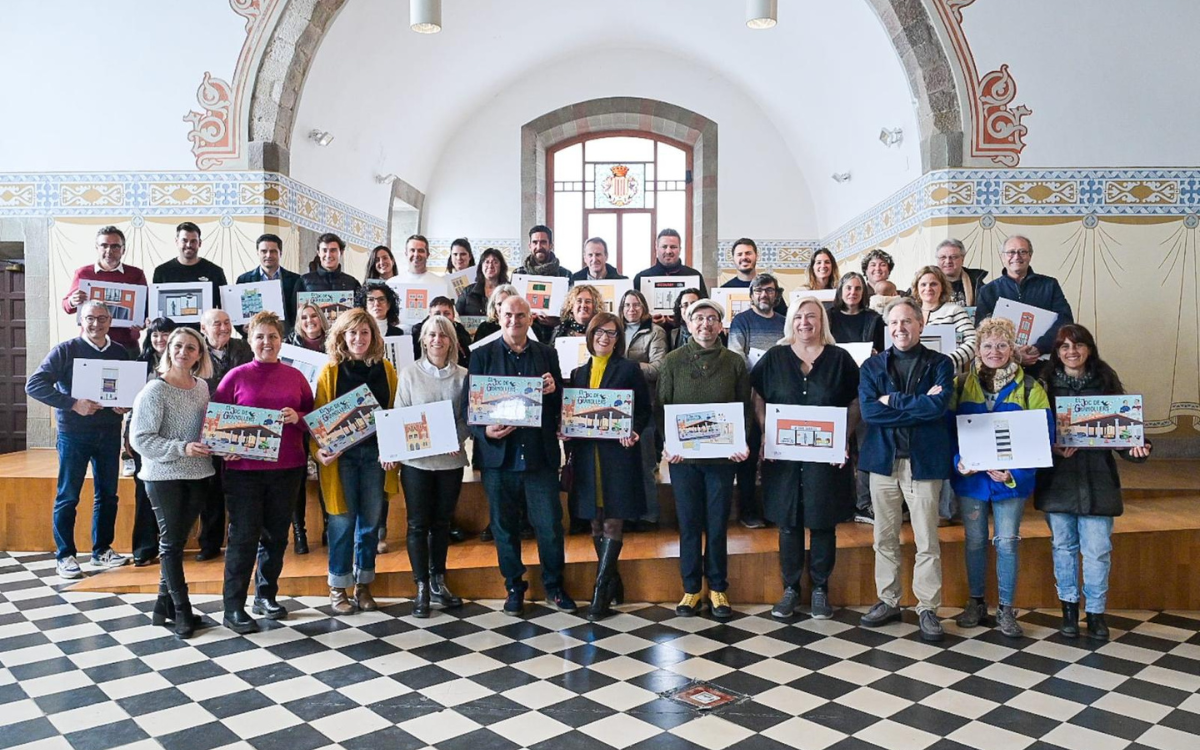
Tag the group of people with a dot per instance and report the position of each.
(901, 404)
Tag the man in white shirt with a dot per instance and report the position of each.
(416, 250)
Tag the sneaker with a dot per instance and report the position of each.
(719, 604)
(931, 626)
(820, 605)
(560, 601)
(514, 603)
(859, 518)
(787, 605)
(68, 568)
(974, 614)
(879, 615)
(381, 547)
(753, 522)
(1006, 622)
(689, 605)
(109, 558)
(128, 467)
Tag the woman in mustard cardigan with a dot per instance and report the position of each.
(354, 482)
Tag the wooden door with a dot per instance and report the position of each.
(12, 357)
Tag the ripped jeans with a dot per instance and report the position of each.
(1006, 516)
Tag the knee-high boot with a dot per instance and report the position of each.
(610, 551)
(616, 588)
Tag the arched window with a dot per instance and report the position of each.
(624, 187)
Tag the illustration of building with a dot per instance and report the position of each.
(804, 433)
(416, 434)
(252, 302)
(108, 384)
(538, 294)
(119, 301)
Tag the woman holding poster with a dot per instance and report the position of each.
(646, 344)
(807, 369)
(432, 484)
(1081, 493)
(382, 304)
(168, 416)
(995, 383)
(353, 482)
(260, 494)
(608, 498)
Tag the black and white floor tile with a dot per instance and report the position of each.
(89, 671)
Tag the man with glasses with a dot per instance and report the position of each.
(88, 433)
(1020, 283)
(110, 250)
(965, 283)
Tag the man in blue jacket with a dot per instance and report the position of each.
(904, 394)
(1018, 282)
(270, 249)
(520, 464)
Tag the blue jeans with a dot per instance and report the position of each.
(1092, 535)
(353, 535)
(506, 490)
(102, 449)
(1007, 521)
(703, 493)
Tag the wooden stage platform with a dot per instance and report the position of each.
(1156, 556)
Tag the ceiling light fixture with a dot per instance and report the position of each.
(762, 14)
(322, 137)
(425, 16)
(840, 176)
(891, 136)
(385, 178)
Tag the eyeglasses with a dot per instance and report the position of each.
(106, 246)
(379, 300)
(766, 290)
(944, 258)
(607, 333)
(93, 319)
(710, 319)
(1016, 253)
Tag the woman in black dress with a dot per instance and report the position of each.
(807, 370)
(610, 496)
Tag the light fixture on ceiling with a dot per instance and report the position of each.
(891, 136)
(323, 138)
(386, 178)
(840, 176)
(425, 16)
(762, 14)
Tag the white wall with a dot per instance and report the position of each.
(93, 86)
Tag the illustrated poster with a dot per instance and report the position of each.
(414, 301)
(1099, 421)
(806, 433)
(308, 362)
(457, 282)
(572, 353)
(345, 421)
(661, 291)
(108, 382)
(705, 430)
(471, 322)
(126, 302)
(1004, 440)
(243, 431)
(331, 304)
(604, 413)
(182, 302)
(399, 350)
(735, 300)
(1031, 322)
(244, 301)
(416, 431)
(545, 294)
(611, 291)
(493, 399)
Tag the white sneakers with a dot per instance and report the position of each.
(109, 558)
(68, 568)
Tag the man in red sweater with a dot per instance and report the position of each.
(110, 249)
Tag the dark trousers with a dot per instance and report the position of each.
(748, 503)
(538, 490)
(101, 449)
(703, 493)
(821, 557)
(176, 505)
(429, 497)
(212, 515)
(145, 523)
(260, 512)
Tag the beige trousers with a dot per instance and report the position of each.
(888, 495)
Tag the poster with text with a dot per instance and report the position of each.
(108, 382)
(940, 337)
(493, 399)
(661, 291)
(345, 421)
(414, 301)
(399, 350)
(545, 294)
(1031, 322)
(244, 301)
(182, 302)
(243, 431)
(611, 291)
(457, 282)
(308, 362)
(705, 430)
(126, 302)
(572, 353)
(1004, 440)
(331, 304)
(416, 431)
(1099, 421)
(805, 433)
(605, 413)
(735, 300)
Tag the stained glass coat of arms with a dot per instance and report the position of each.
(620, 185)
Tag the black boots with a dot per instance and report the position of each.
(1096, 626)
(421, 600)
(616, 588)
(440, 593)
(1070, 621)
(608, 551)
(300, 540)
(164, 610)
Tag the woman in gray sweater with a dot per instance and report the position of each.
(168, 416)
(432, 484)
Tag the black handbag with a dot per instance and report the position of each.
(566, 480)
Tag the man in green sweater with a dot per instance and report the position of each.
(703, 371)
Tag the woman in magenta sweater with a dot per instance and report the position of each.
(259, 494)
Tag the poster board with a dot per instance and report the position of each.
(308, 362)
(940, 337)
(662, 291)
(457, 282)
(244, 301)
(1004, 440)
(126, 302)
(705, 430)
(822, 295)
(345, 421)
(493, 399)
(1031, 322)
(545, 294)
(1099, 421)
(182, 302)
(805, 433)
(399, 351)
(572, 353)
(108, 382)
(243, 431)
(416, 431)
(735, 300)
(413, 301)
(611, 291)
(493, 336)
(859, 350)
(331, 304)
(603, 413)
(471, 322)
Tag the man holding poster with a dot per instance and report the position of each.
(110, 249)
(521, 463)
(1019, 282)
(903, 394)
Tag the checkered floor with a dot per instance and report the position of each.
(89, 671)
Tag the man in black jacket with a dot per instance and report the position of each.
(521, 463)
(270, 248)
(965, 283)
(189, 267)
(595, 263)
(667, 254)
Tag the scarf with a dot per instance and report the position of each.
(1063, 381)
(968, 289)
(549, 268)
(993, 381)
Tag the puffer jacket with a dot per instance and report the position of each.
(648, 348)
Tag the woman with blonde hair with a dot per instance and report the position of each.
(933, 290)
(353, 482)
(168, 417)
(311, 328)
(581, 304)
